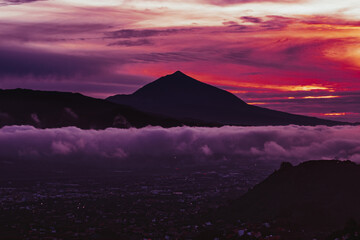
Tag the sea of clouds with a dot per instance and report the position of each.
(271, 143)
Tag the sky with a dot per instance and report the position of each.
(298, 56)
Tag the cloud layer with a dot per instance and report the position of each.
(184, 144)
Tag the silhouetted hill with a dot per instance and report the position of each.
(180, 96)
(315, 195)
(44, 109)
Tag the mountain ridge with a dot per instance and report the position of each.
(180, 96)
(51, 109)
(171, 101)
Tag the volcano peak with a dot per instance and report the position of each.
(181, 96)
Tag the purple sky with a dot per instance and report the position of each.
(299, 56)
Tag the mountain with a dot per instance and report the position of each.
(45, 109)
(180, 96)
(315, 195)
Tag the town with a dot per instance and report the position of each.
(169, 203)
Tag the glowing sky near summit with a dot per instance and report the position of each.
(299, 56)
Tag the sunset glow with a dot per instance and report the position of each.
(334, 114)
(320, 97)
(278, 54)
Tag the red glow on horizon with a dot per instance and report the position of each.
(335, 114)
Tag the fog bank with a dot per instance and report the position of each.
(280, 143)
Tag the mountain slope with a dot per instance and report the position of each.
(315, 195)
(46, 109)
(180, 96)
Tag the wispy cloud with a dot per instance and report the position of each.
(15, 2)
(132, 43)
(231, 2)
(136, 33)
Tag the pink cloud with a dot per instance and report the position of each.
(227, 2)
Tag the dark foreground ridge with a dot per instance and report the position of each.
(313, 197)
(180, 96)
(44, 109)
